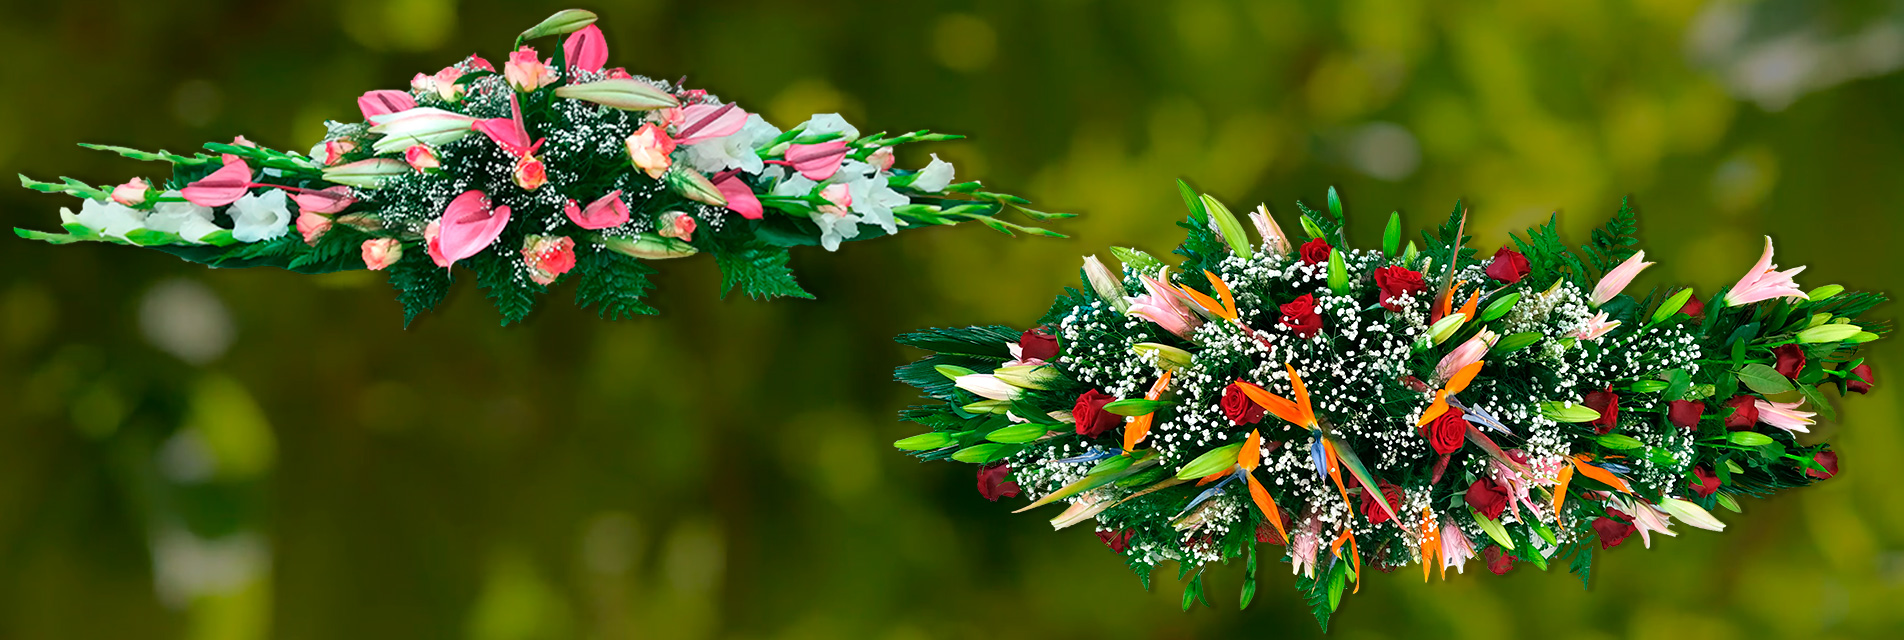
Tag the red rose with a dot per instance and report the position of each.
(1612, 532)
(1118, 540)
(1396, 282)
(1035, 344)
(1498, 561)
(1685, 414)
(1509, 266)
(1447, 431)
(1300, 316)
(1391, 493)
(1745, 414)
(1092, 419)
(1239, 408)
(1703, 482)
(1487, 497)
(1791, 360)
(992, 484)
(1862, 383)
(1826, 459)
(1694, 307)
(1316, 251)
(1607, 403)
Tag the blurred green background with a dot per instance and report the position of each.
(254, 454)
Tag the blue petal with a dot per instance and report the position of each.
(1615, 467)
(1207, 494)
(1093, 456)
(1322, 459)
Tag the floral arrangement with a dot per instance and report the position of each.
(1372, 409)
(549, 169)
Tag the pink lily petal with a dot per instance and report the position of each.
(1618, 277)
(376, 103)
(702, 122)
(222, 187)
(606, 211)
(817, 161)
(509, 133)
(740, 197)
(586, 49)
(1764, 282)
(470, 225)
(331, 200)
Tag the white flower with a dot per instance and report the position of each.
(733, 151)
(873, 199)
(935, 177)
(835, 225)
(106, 218)
(826, 123)
(189, 221)
(797, 185)
(260, 217)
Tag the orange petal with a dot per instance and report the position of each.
(1460, 379)
(1252, 453)
(1157, 390)
(1268, 505)
(1602, 475)
(1213, 477)
(1302, 396)
(1204, 301)
(1560, 488)
(1222, 291)
(1434, 410)
(1468, 309)
(1135, 430)
(1335, 472)
(1272, 403)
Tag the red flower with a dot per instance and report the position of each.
(1509, 266)
(1316, 251)
(1487, 497)
(1745, 415)
(1694, 307)
(1685, 414)
(1035, 344)
(1498, 561)
(1703, 482)
(1791, 360)
(1239, 408)
(1612, 532)
(1300, 315)
(1392, 493)
(1118, 540)
(1396, 282)
(1826, 459)
(1862, 383)
(1092, 419)
(992, 483)
(1447, 431)
(1607, 403)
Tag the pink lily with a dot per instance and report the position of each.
(702, 122)
(376, 103)
(470, 225)
(1596, 326)
(1303, 547)
(222, 187)
(586, 49)
(987, 386)
(1085, 508)
(330, 200)
(605, 212)
(817, 161)
(1646, 518)
(1456, 549)
(1273, 238)
(1164, 305)
(1618, 277)
(1785, 415)
(740, 197)
(1764, 282)
(509, 133)
(1468, 353)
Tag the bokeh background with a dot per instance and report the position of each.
(232, 455)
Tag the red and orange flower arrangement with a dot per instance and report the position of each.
(544, 169)
(1347, 410)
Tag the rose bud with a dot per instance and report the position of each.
(421, 157)
(1508, 266)
(1685, 414)
(1396, 282)
(1862, 382)
(1826, 459)
(677, 225)
(1036, 344)
(530, 173)
(1488, 498)
(1239, 408)
(1316, 251)
(1745, 413)
(1607, 403)
(1791, 360)
(380, 253)
(132, 193)
(1703, 482)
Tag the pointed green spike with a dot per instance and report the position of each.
(1335, 203)
(1392, 237)
(1354, 465)
(1227, 223)
(1190, 200)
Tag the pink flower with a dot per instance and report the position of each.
(222, 187)
(1164, 306)
(328, 200)
(1302, 549)
(1784, 415)
(433, 244)
(605, 212)
(649, 148)
(1456, 550)
(586, 49)
(1468, 353)
(312, 226)
(444, 83)
(1618, 277)
(241, 141)
(817, 161)
(841, 195)
(132, 193)
(509, 133)
(677, 225)
(382, 252)
(530, 173)
(1647, 519)
(1596, 326)
(384, 101)
(421, 157)
(470, 225)
(1273, 239)
(525, 72)
(1764, 282)
(619, 73)
(548, 257)
(478, 63)
(335, 150)
(740, 197)
(881, 159)
(703, 122)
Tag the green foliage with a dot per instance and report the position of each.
(970, 341)
(420, 284)
(761, 271)
(1583, 564)
(508, 285)
(612, 283)
(1613, 242)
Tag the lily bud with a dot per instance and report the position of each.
(366, 174)
(627, 94)
(1029, 376)
(694, 186)
(564, 21)
(1274, 241)
(422, 125)
(1108, 286)
(1168, 357)
(648, 246)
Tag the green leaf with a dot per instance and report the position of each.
(1017, 434)
(1136, 406)
(1568, 412)
(1392, 236)
(759, 270)
(1583, 564)
(926, 441)
(419, 283)
(1500, 306)
(1212, 461)
(1763, 379)
(611, 282)
(1816, 401)
(1749, 438)
(1249, 579)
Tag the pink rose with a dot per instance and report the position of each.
(525, 72)
(548, 257)
(649, 148)
(312, 226)
(677, 225)
(839, 194)
(335, 150)
(530, 174)
(132, 193)
(421, 158)
(382, 252)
